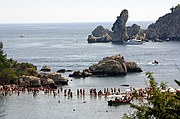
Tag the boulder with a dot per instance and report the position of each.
(1, 45)
(103, 39)
(114, 65)
(56, 77)
(119, 29)
(132, 67)
(46, 68)
(30, 81)
(63, 70)
(109, 66)
(99, 31)
(79, 74)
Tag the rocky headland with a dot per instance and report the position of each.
(166, 28)
(109, 66)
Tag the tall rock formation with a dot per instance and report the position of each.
(119, 27)
(166, 27)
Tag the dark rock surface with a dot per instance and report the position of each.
(56, 77)
(119, 27)
(46, 68)
(109, 66)
(135, 31)
(79, 74)
(99, 31)
(103, 39)
(99, 34)
(166, 27)
(63, 71)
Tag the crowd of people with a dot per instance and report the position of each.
(6, 90)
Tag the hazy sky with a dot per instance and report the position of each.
(18, 11)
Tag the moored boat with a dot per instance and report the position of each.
(133, 42)
(118, 100)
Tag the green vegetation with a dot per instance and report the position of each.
(178, 6)
(10, 70)
(160, 105)
(175, 8)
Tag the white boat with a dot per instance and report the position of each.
(133, 42)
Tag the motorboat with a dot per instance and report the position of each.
(118, 100)
(133, 42)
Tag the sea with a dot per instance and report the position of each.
(65, 46)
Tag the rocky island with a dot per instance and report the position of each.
(166, 28)
(109, 66)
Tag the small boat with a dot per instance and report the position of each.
(125, 85)
(133, 42)
(118, 100)
(155, 62)
(21, 36)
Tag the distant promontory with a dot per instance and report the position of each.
(166, 28)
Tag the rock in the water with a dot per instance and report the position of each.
(166, 27)
(135, 31)
(30, 81)
(63, 70)
(119, 29)
(1, 45)
(133, 67)
(109, 66)
(99, 31)
(114, 65)
(99, 35)
(56, 77)
(46, 68)
(79, 74)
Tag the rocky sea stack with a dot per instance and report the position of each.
(166, 28)
(109, 66)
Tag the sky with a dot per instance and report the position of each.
(45, 11)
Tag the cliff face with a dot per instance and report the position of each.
(167, 26)
(119, 27)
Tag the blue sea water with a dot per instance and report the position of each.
(64, 45)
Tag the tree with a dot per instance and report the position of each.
(7, 75)
(161, 105)
(10, 69)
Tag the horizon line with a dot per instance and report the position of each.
(53, 22)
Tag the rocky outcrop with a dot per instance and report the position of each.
(99, 31)
(135, 31)
(109, 66)
(119, 29)
(1, 45)
(56, 77)
(46, 68)
(114, 65)
(103, 39)
(63, 71)
(99, 34)
(166, 27)
(30, 81)
(79, 74)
